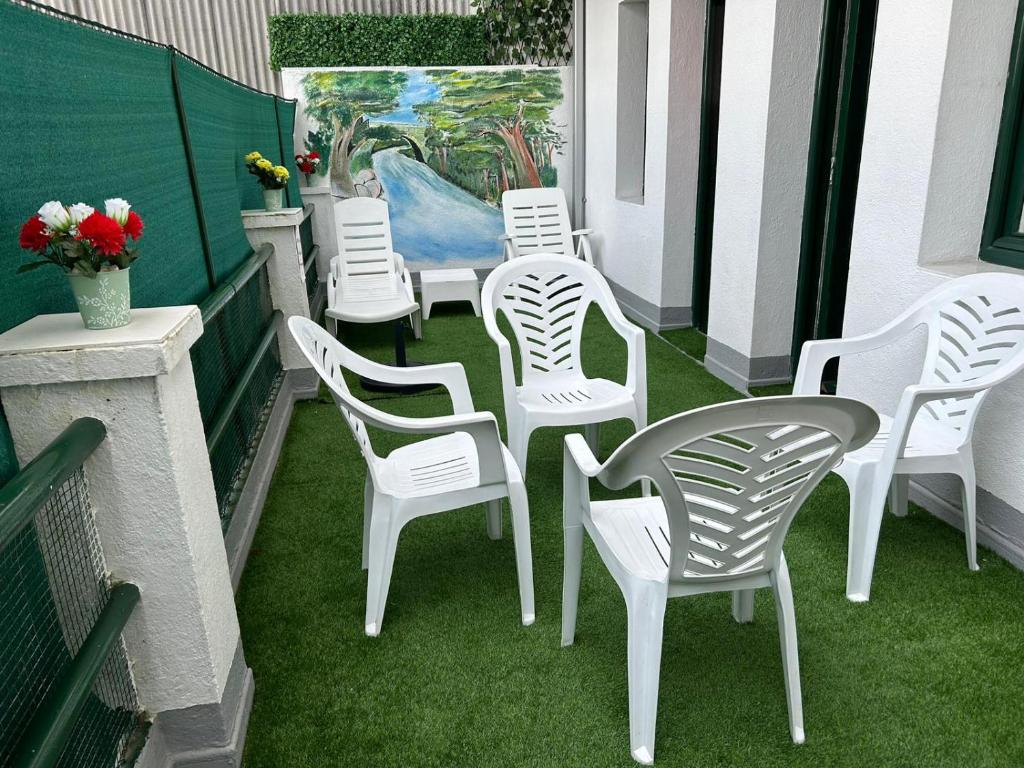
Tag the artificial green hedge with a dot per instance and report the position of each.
(361, 40)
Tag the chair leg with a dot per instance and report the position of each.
(524, 558)
(866, 507)
(639, 423)
(790, 657)
(494, 519)
(519, 444)
(416, 320)
(969, 500)
(367, 515)
(592, 433)
(384, 532)
(475, 301)
(743, 606)
(645, 609)
(572, 545)
(899, 492)
(332, 326)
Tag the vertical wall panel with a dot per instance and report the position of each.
(231, 35)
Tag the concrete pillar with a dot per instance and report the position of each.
(323, 227)
(285, 270)
(770, 53)
(156, 512)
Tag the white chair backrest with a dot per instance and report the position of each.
(365, 252)
(537, 220)
(732, 476)
(330, 358)
(975, 328)
(545, 299)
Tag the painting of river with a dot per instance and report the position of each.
(439, 145)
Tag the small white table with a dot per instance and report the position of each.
(448, 285)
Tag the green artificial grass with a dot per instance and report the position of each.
(926, 674)
(689, 340)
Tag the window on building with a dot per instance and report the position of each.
(631, 105)
(1002, 240)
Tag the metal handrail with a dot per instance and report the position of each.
(311, 259)
(230, 403)
(214, 304)
(54, 722)
(27, 491)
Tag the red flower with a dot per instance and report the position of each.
(133, 225)
(313, 155)
(103, 232)
(34, 236)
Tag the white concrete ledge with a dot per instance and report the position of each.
(55, 349)
(258, 218)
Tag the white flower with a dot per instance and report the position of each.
(117, 209)
(55, 216)
(80, 212)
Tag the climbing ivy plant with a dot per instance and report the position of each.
(528, 31)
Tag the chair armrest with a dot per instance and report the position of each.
(814, 355)
(506, 366)
(407, 282)
(582, 232)
(582, 457)
(509, 247)
(452, 376)
(399, 262)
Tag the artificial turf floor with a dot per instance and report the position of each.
(926, 674)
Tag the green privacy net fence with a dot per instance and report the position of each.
(91, 113)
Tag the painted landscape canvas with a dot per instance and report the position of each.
(440, 145)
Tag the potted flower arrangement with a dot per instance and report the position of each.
(308, 163)
(93, 250)
(273, 179)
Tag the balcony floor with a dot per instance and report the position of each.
(926, 674)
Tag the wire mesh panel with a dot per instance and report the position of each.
(53, 586)
(309, 251)
(220, 359)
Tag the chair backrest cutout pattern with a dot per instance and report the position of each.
(538, 221)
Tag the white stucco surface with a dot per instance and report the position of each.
(769, 62)
(937, 83)
(152, 490)
(647, 248)
(285, 270)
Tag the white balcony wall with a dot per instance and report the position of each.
(228, 35)
(937, 81)
(644, 242)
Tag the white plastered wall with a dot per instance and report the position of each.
(647, 248)
(769, 61)
(934, 105)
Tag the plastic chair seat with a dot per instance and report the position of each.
(377, 300)
(573, 396)
(927, 438)
(635, 531)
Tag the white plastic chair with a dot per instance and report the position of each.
(368, 281)
(975, 341)
(730, 477)
(545, 299)
(537, 221)
(466, 464)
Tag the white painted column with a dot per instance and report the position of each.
(323, 227)
(769, 67)
(149, 481)
(285, 270)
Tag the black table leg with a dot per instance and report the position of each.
(401, 361)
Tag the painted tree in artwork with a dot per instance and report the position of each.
(510, 110)
(346, 101)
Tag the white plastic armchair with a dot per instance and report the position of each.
(545, 299)
(465, 464)
(975, 341)
(368, 281)
(731, 477)
(537, 221)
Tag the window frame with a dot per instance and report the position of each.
(1002, 242)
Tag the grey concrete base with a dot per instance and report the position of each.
(651, 316)
(1000, 526)
(299, 384)
(741, 372)
(206, 735)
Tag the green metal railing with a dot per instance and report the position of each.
(238, 373)
(310, 250)
(61, 707)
